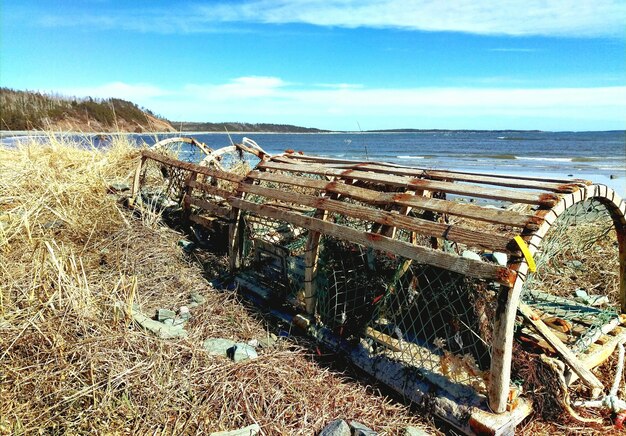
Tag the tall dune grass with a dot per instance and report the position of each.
(71, 363)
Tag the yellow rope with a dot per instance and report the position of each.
(532, 267)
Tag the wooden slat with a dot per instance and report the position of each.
(192, 167)
(451, 262)
(221, 211)
(137, 180)
(543, 199)
(496, 216)
(429, 228)
(568, 356)
(328, 160)
(202, 220)
(597, 356)
(210, 189)
(510, 182)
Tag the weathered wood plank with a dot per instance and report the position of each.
(220, 211)
(188, 190)
(210, 189)
(429, 228)
(451, 262)
(496, 216)
(202, 220)
(327, 160)
(192, 167)
(568, 356)
(137, 180)
(162, 143)
(511, 182)
(597, 356)
(543, 199)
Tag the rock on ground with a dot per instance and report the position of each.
(338, 427)
(361, 429)
(414, 431)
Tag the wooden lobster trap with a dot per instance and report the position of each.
(428, 279)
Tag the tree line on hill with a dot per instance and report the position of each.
(26, 110)
(234, 127)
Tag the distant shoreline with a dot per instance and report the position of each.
(5, 133)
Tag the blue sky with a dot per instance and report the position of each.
(334, 64)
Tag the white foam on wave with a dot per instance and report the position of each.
(406, 156)
(547, 159)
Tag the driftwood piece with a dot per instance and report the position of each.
(568, 357)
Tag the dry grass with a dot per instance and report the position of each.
(70, 364)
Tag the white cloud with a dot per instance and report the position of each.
(270, 99)
(241, 87)
(508, 17)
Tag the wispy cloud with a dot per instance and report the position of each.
(270, 99)
(585, 18)
(134, 92)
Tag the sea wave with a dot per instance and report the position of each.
(496, 156)
(516, 138)
(407, 156)
(547, 159)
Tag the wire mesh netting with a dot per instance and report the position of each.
(429, 318)
(577, 278)
(273, 256)
(163, 185)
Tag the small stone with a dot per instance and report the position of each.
(168, 321)
(184, 313)
(251, 430)
(268, 342)
(163, 314)
(414, 431)
(119, 187)
(218, 346)
(361, 429)
(467, 254)
(338, 427)
(253, 343)
(240, 352)
(193, 304)
(500, 258)
(576, 264)
(160, 329)
(179, 321)
(187, 246)
(53, 225)
(197, 298)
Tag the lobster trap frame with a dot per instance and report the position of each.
(409, 271)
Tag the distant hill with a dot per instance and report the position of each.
(446, 130)
(235, 127)
(26, 110)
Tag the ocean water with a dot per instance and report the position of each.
(596, 156)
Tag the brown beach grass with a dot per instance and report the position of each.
(70, 364)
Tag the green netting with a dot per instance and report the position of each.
(429, 318)
(577, 272)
